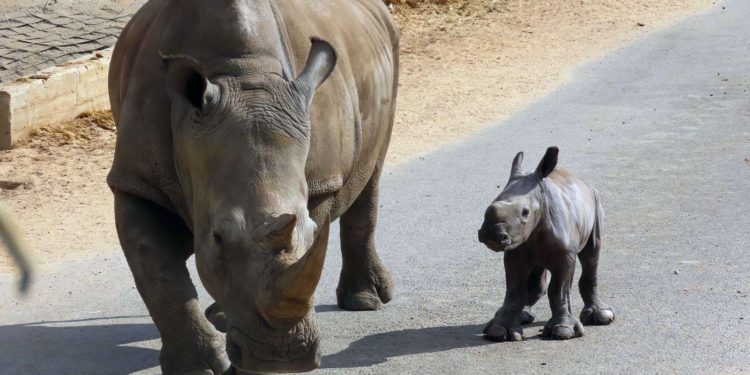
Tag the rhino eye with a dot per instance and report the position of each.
(525, 213)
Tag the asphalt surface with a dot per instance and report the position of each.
(659, 127)
(38, 34)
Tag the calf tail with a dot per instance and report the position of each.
(596, 235)
(9, 235)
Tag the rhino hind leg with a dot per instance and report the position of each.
(563, 325)
(156, 245)
(364, 283)
(594, 311)
(537, 289)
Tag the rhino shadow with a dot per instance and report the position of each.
(38, 348)
(378, 348)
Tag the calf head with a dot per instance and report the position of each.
(512, 217)
(241, 138)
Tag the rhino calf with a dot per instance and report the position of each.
(542, 221)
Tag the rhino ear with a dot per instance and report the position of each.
(186, 80)
(515, 169)
(320, 64)
(276, 233)
(548, 163)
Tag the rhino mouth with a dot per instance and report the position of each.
(492, 243)
(275, 350)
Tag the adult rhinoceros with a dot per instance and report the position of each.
(244, 128)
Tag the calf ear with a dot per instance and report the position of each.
(515, 169)
(320, 64)
(186, 81)
(548, 163)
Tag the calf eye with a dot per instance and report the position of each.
(525, 213)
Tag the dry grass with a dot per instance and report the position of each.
(87, 130)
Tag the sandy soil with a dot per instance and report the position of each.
(465, 65)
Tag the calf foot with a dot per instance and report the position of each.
(500, 330)
(216, 316)
(597, 315)
(562, 328)
(357, 293)
(526, 317)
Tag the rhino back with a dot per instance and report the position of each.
(350, 116)
(573, 205)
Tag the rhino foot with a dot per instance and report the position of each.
(204, 354)
(217, 317)
(526, 318)
(497, 330)
(563, 328)
(597, 316)
(371, 296)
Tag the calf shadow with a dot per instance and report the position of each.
(94, 348)
(379, 348)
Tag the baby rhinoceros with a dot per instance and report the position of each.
(542, 221)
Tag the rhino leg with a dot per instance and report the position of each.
(537, 290)
(364, 282)
(594, 311)
(562, 325)
(156, 244)
(506, 325)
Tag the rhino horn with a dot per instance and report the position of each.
(276, 233)
(298, 282)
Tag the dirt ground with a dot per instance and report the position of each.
(465, 65)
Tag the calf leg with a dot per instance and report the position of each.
(594, 311)
(156, 244)
(364, 283)
(537, 289)
(562, 325)
(506, 325)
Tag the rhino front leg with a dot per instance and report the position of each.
(156, 244)
(364, 282)
(506, 325)
(562, 325)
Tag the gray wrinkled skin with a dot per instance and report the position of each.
(244, 128)
(9, 235)
(542, 221)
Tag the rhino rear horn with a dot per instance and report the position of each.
(276, 233)
(320, 64)
(548, 163)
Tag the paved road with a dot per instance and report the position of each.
(37, 34)
(660, 127)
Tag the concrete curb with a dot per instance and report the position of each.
(53, 95)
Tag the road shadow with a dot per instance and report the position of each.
(378, 348)
(95, 348)
(327, 308)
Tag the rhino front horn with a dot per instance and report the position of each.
(276, 233)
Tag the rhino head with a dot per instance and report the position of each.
(512, 217)
(241, 141)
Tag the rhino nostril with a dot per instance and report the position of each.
(217, 238)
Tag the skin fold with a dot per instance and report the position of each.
(244, 128)
(542, 222)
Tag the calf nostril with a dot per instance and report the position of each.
(217, 238)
